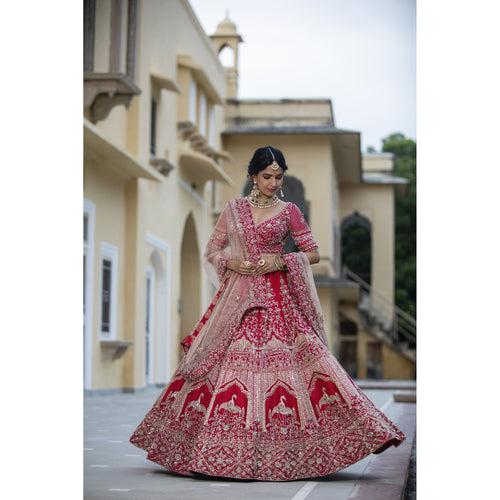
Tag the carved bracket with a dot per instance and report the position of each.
(116, 348)
(162, 165)
(103, 91)
(197, 142)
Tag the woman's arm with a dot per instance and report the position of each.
(313, 257)
(302, 235)
(303, 238)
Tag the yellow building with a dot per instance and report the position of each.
(166, 143)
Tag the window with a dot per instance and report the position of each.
(109, 274)
(348, 327)
(152, 139)
(107, 268)
(192, 101)
(202, 126)
(211, 126)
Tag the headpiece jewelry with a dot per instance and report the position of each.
(274, 164)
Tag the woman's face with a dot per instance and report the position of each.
(269, 180)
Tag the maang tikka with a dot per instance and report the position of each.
(275, 166)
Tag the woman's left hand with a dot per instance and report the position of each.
(268, 267)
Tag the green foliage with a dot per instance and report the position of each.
(405, 158)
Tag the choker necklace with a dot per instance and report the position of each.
(269, 202)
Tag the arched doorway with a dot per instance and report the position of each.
(356, 237)
(190, 300)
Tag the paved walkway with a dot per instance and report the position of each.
(115, 469)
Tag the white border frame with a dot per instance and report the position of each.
(89, 210)
(109, 251)
(164, 247)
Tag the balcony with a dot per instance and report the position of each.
(198, 160)
(104, 91)
(101, 151)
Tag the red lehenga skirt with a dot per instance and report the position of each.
(278, 407)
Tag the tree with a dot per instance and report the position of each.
(405, 159)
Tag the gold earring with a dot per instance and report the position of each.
(255, 190)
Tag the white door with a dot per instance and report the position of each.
(150, 293)
(84, 312)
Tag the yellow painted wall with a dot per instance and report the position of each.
(108, 196)
(397, 366)
(377, 204)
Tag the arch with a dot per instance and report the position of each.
(226, 55)
(348, 327)
(190, 296)
(356, 245)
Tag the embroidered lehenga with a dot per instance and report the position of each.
(258, 394)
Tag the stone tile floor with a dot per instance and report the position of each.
(115, 469)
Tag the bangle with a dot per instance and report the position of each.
(278, 264)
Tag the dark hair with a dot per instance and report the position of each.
(262, 158)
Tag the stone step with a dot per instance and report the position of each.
(386, 384)
(405, 396)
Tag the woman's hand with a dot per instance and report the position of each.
(238, 267)
(269, 266)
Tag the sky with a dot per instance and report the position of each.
(358, 53)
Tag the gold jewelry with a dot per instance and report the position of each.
(246, 263)
(274, 164)
(255, 190)
(263, 204)
(262, 262)
(280, 264)
(276, 264)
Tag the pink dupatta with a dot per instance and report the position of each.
(234, 237)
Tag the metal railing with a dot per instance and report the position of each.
(394, 321)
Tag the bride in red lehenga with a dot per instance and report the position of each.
(258, 394)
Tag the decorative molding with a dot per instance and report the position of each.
(89, 208)
(164, 247)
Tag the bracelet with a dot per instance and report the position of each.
(277, 263)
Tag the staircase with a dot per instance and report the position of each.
(384, 319)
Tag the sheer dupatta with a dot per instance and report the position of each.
(238, 293)
(234, 237)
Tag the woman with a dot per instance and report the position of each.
(258, 394)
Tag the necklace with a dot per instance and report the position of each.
(268, 202)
